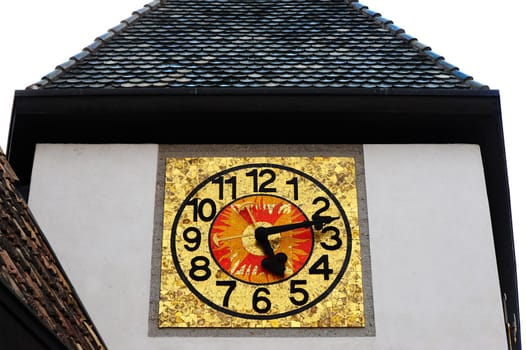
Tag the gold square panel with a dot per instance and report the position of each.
(261, 242)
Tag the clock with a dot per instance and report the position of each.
(261, 242)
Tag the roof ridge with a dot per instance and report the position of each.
(95, 45)
(417, 45)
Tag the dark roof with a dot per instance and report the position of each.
(31, 273)
(256, 43)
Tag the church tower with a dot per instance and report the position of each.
(272, 173)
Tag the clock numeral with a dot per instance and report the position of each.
(200, 270)
(258, 300)
(270, 177)
(220, 181)
(192, 235)
(294, 289)
(231, 286)
(325, 207)
(321, 267)
(204, 209)
(334, 237)
(294, 183)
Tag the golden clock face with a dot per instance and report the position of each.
(261, 242)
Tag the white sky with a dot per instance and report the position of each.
(484, 39)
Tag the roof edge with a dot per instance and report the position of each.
(95, 45)
(239, 91)
(417, 45)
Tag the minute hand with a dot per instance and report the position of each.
(262, 232)
(318, 222)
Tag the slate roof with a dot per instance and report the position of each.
(256, 44)
(31, 271)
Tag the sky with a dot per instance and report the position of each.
(482, 38)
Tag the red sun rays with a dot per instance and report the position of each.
(235, 249)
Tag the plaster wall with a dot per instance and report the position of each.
(434, 276)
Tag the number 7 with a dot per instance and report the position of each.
(231, 286)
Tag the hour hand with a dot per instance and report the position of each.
(274, 263)
(262, 239)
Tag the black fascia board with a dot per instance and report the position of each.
(258, 115)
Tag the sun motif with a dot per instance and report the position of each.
(233, 243)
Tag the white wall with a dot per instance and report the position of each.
(434, 277)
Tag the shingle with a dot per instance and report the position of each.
(30, 270)
(220, 43)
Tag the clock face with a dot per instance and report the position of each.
(260, 242)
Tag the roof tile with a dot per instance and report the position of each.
(106, 36)
(118, 28)
(31, 271)
(289, 43)
(433, 55)
(64, 66)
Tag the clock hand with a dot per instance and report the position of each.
(275, 263)
(217, 239)
(318, 223)
(278, 229)
(263, 232)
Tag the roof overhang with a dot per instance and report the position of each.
(229, 115)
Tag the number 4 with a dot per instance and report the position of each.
(321, 267)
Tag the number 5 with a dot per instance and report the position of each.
(294, 289)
